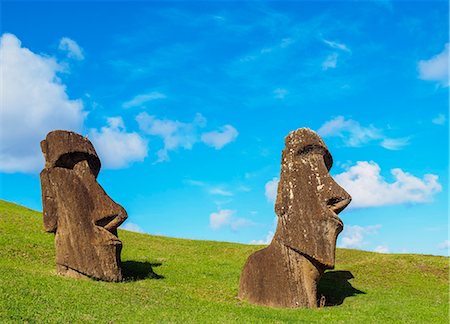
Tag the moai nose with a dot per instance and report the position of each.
(337, 198)
(110, 214)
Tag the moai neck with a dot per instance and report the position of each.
(303, 275)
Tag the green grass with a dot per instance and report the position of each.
(200, 283)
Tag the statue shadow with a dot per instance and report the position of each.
(334, 286)
(137, 270)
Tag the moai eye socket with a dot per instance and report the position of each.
(318, 150)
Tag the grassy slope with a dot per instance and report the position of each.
(201, 281)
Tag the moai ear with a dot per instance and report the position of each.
(49, 204)
(44, 149)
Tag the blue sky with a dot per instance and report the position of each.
(188, 103)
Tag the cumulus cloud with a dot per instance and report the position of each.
(34, 101)
(369, 189)
(444, 245)
(353, 236)
(71, 47)
(381, 249)
(219, 139)
(226, 218)
(439, 119)
(265, 241)
(435, 68)
(116, 147)
(330, 62)
(175, 134)
(353, 134)
(141, 99)
(271, 188)
(132, 227)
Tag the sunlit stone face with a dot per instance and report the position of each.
(308, 198)
(77, 209)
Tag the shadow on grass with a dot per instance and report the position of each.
(335, 287)
(137, 270)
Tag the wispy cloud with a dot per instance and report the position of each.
(141, 99)
(226, 218)
(381, 249)
(116, 147)
(72, 49)
(219, 191)
(280, 93)
(354, 236)
(330, 62)
(436, 68)
(444, 245)
(439, 119)
(353, 134)
(220, 138)
(369, 189)
(336, 45)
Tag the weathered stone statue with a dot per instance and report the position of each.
(77, 209)
(286, 273)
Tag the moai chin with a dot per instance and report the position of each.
(286, 273)
(77, 209)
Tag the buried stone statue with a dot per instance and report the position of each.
(77, 209)
(286, 273)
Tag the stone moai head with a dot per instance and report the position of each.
(77, 209)
(308, 199)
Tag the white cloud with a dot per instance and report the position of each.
(266, 240)
(132, 227)
(337, 45)
(271, 188)
(439, 119)
(444, 245)
(353, 236)
(381, 249)
(436, 68)
(141, 99)
(394, 144)
(33, 102)
(330, 61)
(117, 148)
(219, 191)
(219, 139)
(174, 133)
(73, 50)
(280, 93)
(353, 134)
(224, 218)
(368, 188)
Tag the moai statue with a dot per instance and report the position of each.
(77, 209)
(286, 273)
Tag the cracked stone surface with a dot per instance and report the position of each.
(286, 273)
(77, 209)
